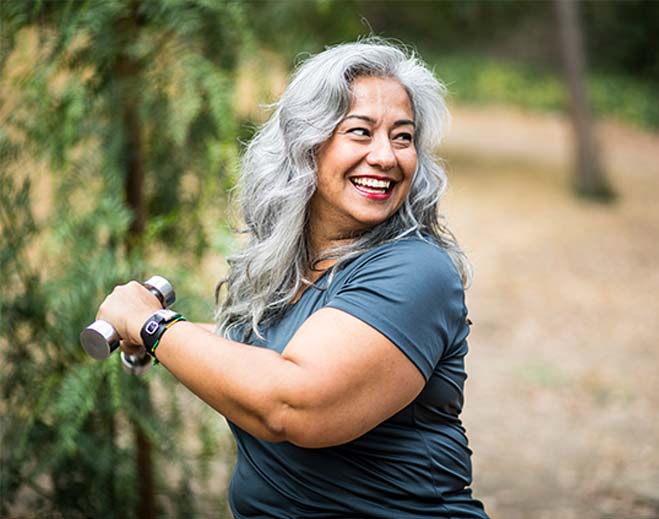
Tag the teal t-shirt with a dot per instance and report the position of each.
(417, 463)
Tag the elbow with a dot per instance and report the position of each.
(273, 425)
(303, 429)
(283, 425)
(306, 416)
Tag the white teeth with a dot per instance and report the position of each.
(372, 182)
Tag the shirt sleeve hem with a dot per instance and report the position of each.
(387, 329)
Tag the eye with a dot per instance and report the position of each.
(404, 137)
(359, 132)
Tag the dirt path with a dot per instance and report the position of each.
(563, 395)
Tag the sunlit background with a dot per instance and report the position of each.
(121, 126)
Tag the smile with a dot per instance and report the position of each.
(372, 186)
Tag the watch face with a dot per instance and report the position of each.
(151, 327)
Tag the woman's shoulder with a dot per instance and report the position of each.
(413, 257)
(410, 291)
(417, 250)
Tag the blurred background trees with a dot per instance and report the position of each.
(119, 138)
(127, 106)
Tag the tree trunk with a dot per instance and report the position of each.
(146, 507)
(128, 70)
(589, 177)
(128, 75)
(133, 163)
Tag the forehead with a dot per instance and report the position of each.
(380, 95)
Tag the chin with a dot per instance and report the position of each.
(368, 222)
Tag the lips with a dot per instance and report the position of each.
(378, 187)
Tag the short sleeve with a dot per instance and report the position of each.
(410, 292)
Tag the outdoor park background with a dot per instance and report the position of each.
(119, 129)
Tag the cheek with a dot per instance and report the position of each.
(409, 169)
(333, 168)
(327, 184)
(409, 165)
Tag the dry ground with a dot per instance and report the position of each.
(562, 403)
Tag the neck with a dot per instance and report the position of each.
(320, 242)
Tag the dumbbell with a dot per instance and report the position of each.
(100, 339)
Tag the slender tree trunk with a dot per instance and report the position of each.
(129, 71)
(112, 481)
(589, 177)
(133, 163)
(129, 76)
(146, 508)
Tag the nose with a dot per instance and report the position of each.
(381, 155)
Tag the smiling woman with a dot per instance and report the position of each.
(366, 167)
(339, 354)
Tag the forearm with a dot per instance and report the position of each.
(244, 383)
(208, 326)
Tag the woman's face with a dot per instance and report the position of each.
(365, 169)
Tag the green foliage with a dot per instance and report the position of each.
(619, 37)
(293, 26)
(94, 93)
(625, 98)
(474, 79)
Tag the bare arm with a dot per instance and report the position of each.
(207, 326)
(335, 380)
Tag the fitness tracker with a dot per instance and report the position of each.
(155, 327)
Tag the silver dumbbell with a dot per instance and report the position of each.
(100, 339)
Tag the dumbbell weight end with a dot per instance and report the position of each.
(135, 364)
(99, 339)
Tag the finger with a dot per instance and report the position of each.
(131, 349)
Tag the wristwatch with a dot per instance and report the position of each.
(155, 327)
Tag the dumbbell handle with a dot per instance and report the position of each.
(100, 339)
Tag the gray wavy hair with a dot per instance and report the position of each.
(278, 179)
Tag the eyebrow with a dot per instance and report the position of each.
(399, 122)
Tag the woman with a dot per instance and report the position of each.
(338, 361)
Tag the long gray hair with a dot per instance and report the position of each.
(278, 179)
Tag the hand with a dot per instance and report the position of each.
(136, 350)
(127, 308)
